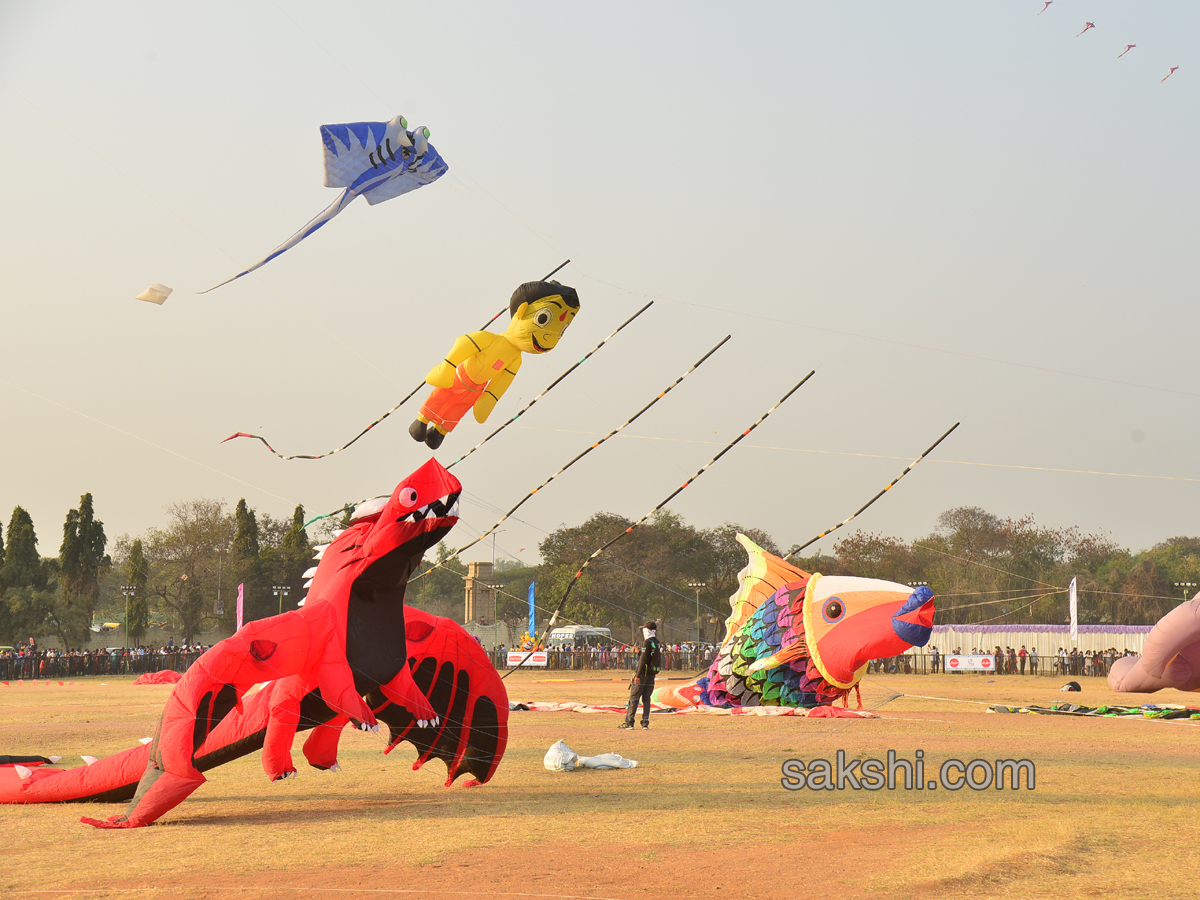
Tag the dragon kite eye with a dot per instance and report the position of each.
(408, 497)
(833, 609)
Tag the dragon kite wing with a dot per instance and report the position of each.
(465, 690)
(376, 160)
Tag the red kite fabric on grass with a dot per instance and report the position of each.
(167, 676)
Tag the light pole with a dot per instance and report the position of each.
(128, 590)
(697, 585)
(280, 591)
(1184, 585)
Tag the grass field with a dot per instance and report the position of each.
(1113, 814)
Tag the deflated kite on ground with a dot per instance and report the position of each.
(795, 639)
(422, 675)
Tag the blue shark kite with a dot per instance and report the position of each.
(377, 160)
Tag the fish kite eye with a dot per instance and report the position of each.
(832, 610)
(543, 318)
(407, 497)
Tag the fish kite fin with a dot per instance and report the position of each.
(784, 656)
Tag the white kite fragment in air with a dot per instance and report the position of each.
(156, 293)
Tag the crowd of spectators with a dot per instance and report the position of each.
(31, 662)
(1009, 661)
(683, 657)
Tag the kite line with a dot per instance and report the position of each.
(409, 396)
(889, 486)
(525, 408)
(670, 497)
(578, 457)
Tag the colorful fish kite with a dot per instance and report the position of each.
(795, 639)
(1086, 26)
(377, 160)
(1128, 47)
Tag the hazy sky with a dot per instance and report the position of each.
(952, 211)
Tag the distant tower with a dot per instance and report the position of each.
(481, 598)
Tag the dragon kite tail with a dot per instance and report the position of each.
(109, 780)
(451, 669)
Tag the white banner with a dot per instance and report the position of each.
(968, 663)
(536, 658)
(1074, 612)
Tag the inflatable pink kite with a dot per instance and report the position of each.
(1170, 657)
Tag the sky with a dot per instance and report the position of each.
(952, 212)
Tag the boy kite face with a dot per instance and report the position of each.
(538, 326)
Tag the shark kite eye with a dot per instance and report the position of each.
(543, 318)
(833, 609)
(407, 497)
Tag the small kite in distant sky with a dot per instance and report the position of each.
(378, 160)
(1169, 74)
(1086, 26)
(156, 293)
(1044, 8)
(1128, 47)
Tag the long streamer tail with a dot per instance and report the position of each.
(886, 488)
(579, 574)
(343, 200)
(410, 394)
(576, 459)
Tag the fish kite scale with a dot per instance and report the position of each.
(800, 639)
(354, 654)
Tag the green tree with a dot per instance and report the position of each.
(138, 574)
(81, 560)
(82, 553)
(285, 556)
(6, 625)
(245, 539)
(246, 566)
(22, 565)
(647, 573)
(438, 586)
(23, 582)
(186, 562)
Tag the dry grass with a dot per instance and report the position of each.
(703, 815)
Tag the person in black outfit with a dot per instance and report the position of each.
(642, 684)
